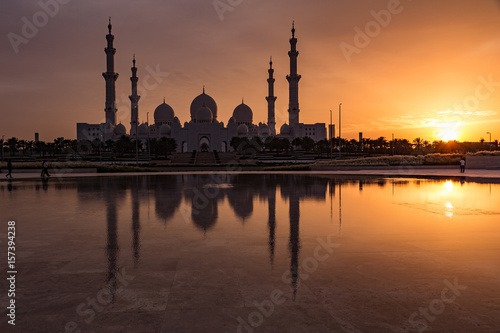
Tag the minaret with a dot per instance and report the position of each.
(270, 100)
(293, 81)
(134, 102)
(110, 76)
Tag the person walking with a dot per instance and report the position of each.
(462, 165)
(9, 169)
(45, 169)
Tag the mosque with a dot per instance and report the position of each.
(204, 132)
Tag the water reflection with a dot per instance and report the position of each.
(112, 236)
(167, 199)
(271, 220)
(136, 225)
(213, 202)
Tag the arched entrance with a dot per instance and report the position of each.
(204, 144)
(184, 147)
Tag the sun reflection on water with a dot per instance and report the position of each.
(448, 211)
(448, 185)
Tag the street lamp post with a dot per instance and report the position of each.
(100, 147)
(331, 136)
(340, 128)
(393, 144)
(149, 149)
(490, 140)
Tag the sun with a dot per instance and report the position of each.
(448, 134)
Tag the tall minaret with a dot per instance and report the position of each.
(293, 81)
(110, 76)
(134, 102)
(270, 100)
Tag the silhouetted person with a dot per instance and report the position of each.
(462, 165)
(9, 169)
(45, 169)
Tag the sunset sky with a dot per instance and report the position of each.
(430, 69)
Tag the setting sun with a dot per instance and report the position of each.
(448, 133)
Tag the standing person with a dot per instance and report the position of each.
(45, 169)
(462, 165)
(9, 169)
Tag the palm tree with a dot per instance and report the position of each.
(381, 143)
(307, 144)
(29, 145)
(322, 146)
(418, 143)
(402, 147)
(40, 147)
(58, 145)
(13, 144)
(284, 144)
(297, 142)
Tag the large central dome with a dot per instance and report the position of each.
(201, 101)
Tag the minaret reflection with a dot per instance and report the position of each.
(294, 214)
(293, 195)
(136, 227)
(340, 207)
(112, 239)
(271, 219)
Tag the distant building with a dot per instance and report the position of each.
(204, 131)
(331, 132)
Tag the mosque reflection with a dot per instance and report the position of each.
(202, 194)
(204, 200)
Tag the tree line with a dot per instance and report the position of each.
(123, 147)
(127, 147)
(367, 146)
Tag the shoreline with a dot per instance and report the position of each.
(427, 172)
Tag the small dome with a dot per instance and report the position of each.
(164, 114)
(285, 129)
(242, 130)
(243, 114)
(203, 100)
(263, 130)
(120, 129)
(165, 130)
(143, 129)
(176, 120)
(231, 120)
(204, 115)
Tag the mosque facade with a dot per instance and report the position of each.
(204, 131)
